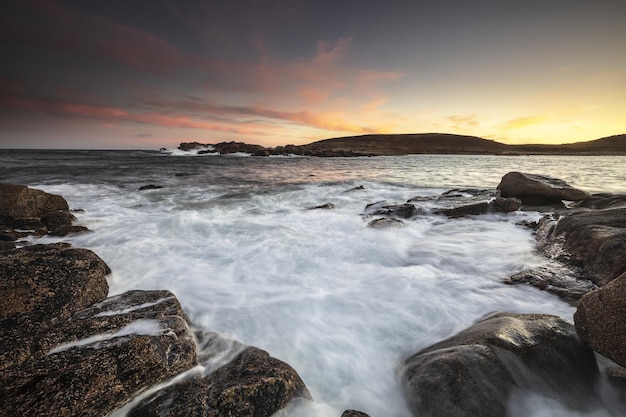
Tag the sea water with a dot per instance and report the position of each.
(236, 240)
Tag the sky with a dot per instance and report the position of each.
(146, 74)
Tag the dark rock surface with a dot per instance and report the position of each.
(43, 285)
(354, 413)
(27, 211)
(253, 384)
(385, 223)
(474, 372)
(594, 240)
(150, 187)
(325, 206)
(496, 205)
(601, 320)
(535, 189)
(100, 357)
(556, 278)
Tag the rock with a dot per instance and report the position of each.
(253, 384)
(101, 357)
(601, 320)
(68, 229)
(474, 372)
(150, 187)
(6, 246)
(43, 285)
(327, 206)
(354, 413)
(357, 188)
(594, 240)
(538, 190)
(19, 201)
(497, 205)
(57, 219)
(603, 201)
(385, 222)
(557, 279)
(382, 208)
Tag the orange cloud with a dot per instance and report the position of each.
(522, 122)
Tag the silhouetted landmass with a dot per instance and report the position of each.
(418, 143)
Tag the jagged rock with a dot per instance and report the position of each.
(603, 201)
(150, 187)
(354, 413)
(538, 190)
(68, 229)
(19, 201)
(99, 358)
(327, 206)
(497, 205)
(253, 384)
(601, 320)
(56, 219)
(594, 240)
(382, 208)
(385, 222)
(557, 279)
(474, 372)
(43, 285)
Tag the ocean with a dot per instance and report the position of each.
(236, 240)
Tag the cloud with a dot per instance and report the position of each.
(143, 135)
(522, 122)
(464, 122)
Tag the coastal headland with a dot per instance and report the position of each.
(418, 143)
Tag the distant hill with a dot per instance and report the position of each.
(443, 143)
(417, 143)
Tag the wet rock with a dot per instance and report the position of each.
(385, 223)
(496, 205)
(557, 279)
(150, 187)
(101, 357)
(57, 219)
(19, 201)
(43, 285)
(354, 413)
(537, 190)
(594, 240)
(382, 208)
(327, 206)
(252, 384)
(68, 230)
(474, 372)
(357, 188)
(603, 201)
(601, 320)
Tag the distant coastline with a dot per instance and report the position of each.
(419, 143)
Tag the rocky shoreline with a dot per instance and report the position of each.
(68, 349)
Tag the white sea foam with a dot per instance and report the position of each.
(145, 327)
(341, 303)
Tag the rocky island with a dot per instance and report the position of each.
(421, 143)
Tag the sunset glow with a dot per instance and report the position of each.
(107, 75)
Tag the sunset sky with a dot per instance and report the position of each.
(146, 74)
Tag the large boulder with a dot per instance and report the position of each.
(535, 189)
(594, 240)
(34, 212)
(19, 201)
(43, 285)
(475, 372)
(101, 357)
(601, 320)
(252, 384)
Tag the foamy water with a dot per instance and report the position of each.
(343, 304)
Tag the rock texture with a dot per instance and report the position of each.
(475, 372)
(496, 205)
(594, 240)
(253, 384)
(601, 320)
(25, 211)
(567, 283)
(535, 189)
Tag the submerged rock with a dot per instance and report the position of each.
(538, 190)
(150, 187)
(601, 320)
(475, 372)
(326, 206)
(557, 279)
(385, 223)
(382, 208)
